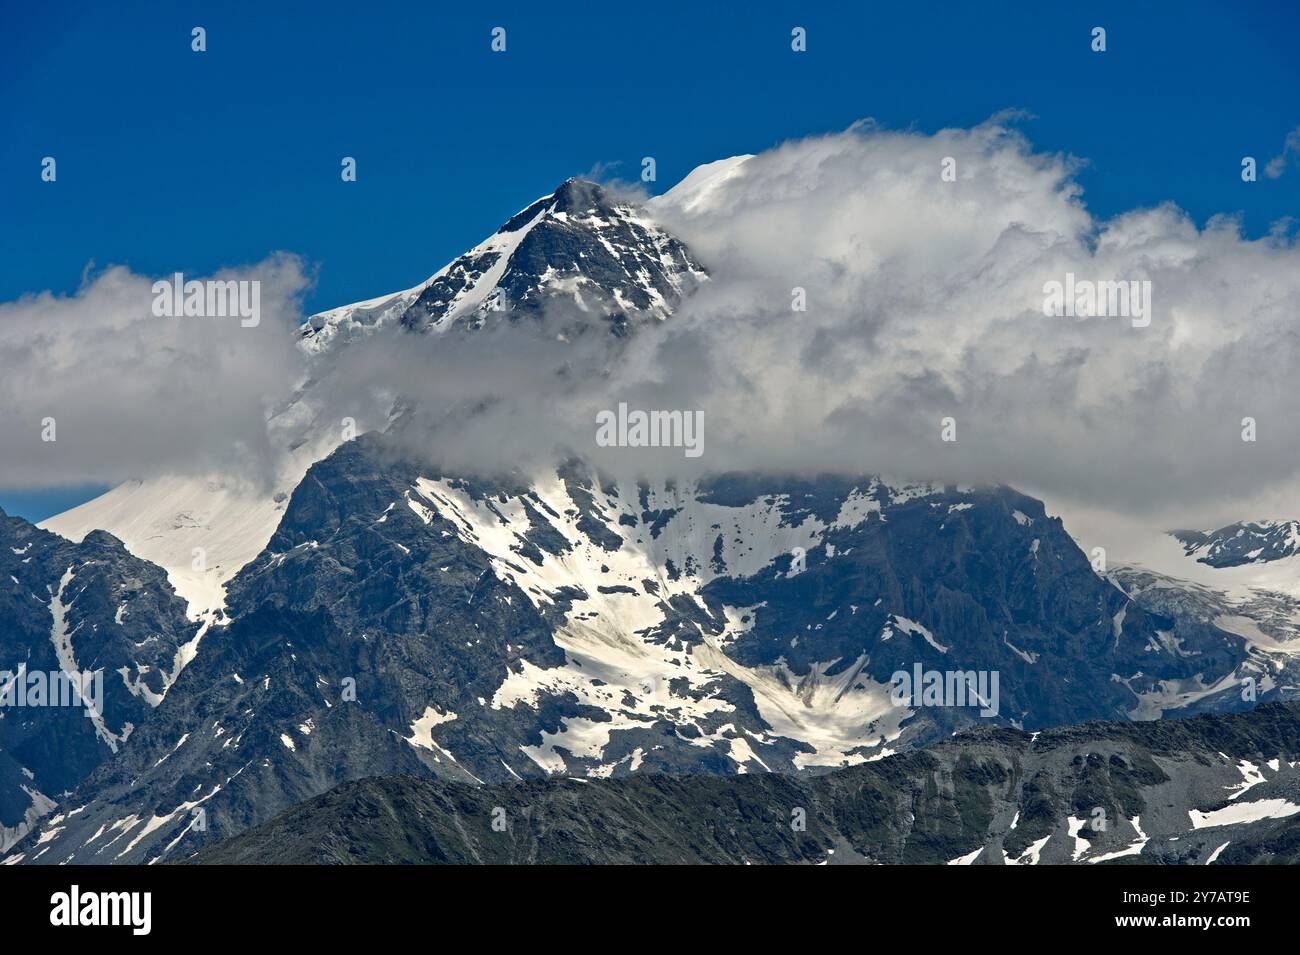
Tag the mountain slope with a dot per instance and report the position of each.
(83, 608)
(170, 521)
(1191, 791)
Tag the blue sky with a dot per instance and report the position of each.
(172, 160)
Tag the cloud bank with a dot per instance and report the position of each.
(125, 393)
(924, 302)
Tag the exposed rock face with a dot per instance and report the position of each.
(89, 609)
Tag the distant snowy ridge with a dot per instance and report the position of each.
(1242, 543)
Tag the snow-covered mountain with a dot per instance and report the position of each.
(365, 615)
(579, 251)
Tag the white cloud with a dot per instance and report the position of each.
(1290, 149)
(924, 301)
(132, 394)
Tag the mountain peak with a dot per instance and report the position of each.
(576, 249)
(579, 195)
